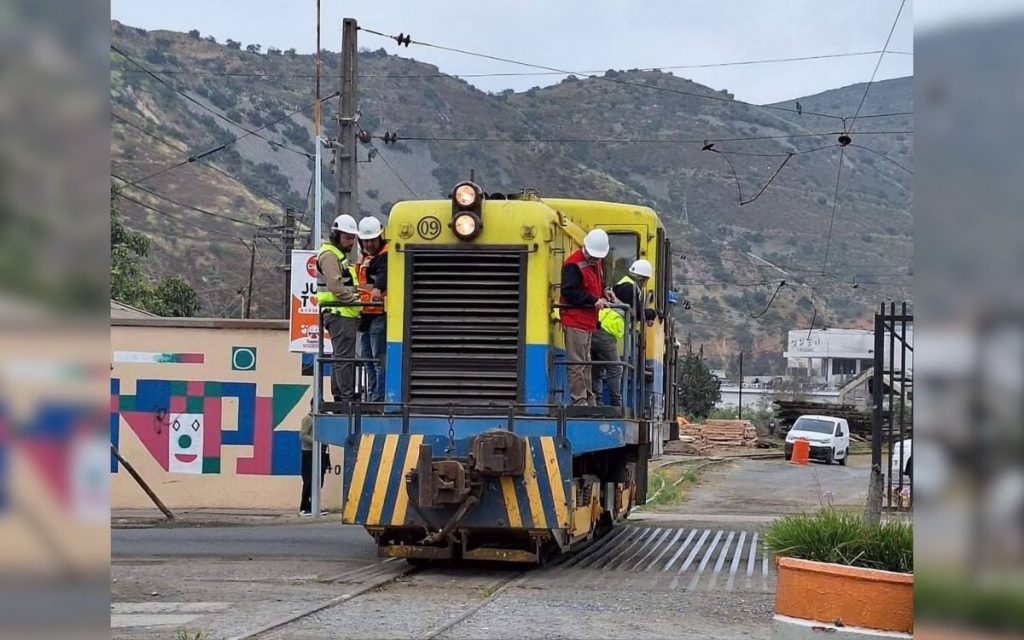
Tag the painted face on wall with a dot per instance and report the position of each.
(186, 443)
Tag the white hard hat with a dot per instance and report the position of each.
(596, 244)
(370, 228)
(345, 224)
(641, 269)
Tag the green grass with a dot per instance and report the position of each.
(674, 486)
(842, 538)
(185, 634)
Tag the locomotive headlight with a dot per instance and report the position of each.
(466, 195)
(466, 225)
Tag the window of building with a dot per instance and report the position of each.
(844, 366)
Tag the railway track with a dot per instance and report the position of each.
(367, 579)
(637, 556)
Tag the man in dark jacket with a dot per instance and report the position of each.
(306, 466)
(582, 289)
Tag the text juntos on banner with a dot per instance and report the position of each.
(303, 310)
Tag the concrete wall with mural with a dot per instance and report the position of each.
(208, 413)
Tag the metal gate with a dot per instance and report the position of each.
(892, 388)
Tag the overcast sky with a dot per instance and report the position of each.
(578, 36)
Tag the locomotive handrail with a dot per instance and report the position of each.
(322, 357)
(630, 351)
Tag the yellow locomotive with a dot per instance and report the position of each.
(476, 451)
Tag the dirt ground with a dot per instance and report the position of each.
(693, 570)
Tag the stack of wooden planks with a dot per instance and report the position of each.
(696, 439)
(787, 411)
(729, 433)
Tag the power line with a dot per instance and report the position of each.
(710, 65)
(174, 217)
(408, 40)
(226, 144)
(634, 140)
(884, 156)
(787, 156)
(397, 175)
(183, 205)
(828, 238)
(203, 163)
(203, 106)
(770, 301)
(878, 64)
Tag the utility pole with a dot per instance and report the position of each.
(314, 236)
(248, 289)
(739, 410)
(348, 194)
(288, 237)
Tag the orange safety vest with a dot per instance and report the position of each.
(364, 294)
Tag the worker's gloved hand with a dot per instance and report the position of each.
(375, 295)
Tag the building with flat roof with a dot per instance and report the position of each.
(834, 356)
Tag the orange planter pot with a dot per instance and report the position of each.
(824, 592)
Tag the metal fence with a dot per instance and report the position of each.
(892, 388)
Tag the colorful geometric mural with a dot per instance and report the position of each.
(181, 424)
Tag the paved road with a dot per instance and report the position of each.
(776, 487)
(697, 579)
(325, 540)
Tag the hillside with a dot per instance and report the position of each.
(645, 145)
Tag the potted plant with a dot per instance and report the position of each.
(836, 571)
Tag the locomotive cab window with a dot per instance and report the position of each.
(624, 249)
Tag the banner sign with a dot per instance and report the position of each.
(303, 311)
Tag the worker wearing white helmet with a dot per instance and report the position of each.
(336, 283)
(373, 286)
(630, 289)
(582, 295)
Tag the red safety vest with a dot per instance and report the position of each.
(364, 295)
(584, 318)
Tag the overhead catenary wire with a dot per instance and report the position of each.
(755, 316)
(620, 81)
(171, 216)
(883, 156)
(881, 56)
(708, 65)
(204, 107)
(414, 138)
(395, 172)
(828, 237)
(227, 143)
(203, 163)
(183, 205)
(787, 157)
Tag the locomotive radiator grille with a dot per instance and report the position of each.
(465, 327)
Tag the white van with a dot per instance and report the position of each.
(829, 438)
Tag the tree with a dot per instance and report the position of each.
(234, 44)
(253, 48)
(698, 389)
(173, 296)
(194, 34)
